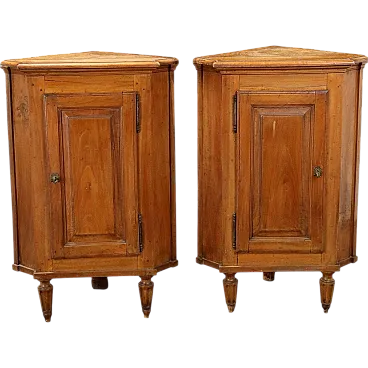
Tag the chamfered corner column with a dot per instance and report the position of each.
(230, 289)
(45, 292)
(327, 284)
(146, 294)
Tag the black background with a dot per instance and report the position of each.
(192, 295)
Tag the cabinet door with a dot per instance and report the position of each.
(280, 171)
(92, 147)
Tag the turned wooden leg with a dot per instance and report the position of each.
(45, 293)
(146, 293)
(230, 289)
(326, 284)
(100, 283)
(268, 276)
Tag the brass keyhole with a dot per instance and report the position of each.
(317, 171)
(55, 178)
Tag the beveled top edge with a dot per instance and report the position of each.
(278, 56)
(90, 60)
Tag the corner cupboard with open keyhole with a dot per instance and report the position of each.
(92, 168)
(278, 142)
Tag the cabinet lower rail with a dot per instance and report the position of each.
(275, 267)
(98, 273)
(99, 282)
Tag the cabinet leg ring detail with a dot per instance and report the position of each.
(45, 292)
(146, 294)
(230, 289)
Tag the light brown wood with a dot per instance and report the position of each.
(90, 60)
(23, 174)
(230, 288)
(200, 162)
(92, 160)
(172, 164)
(230, 84)
(12, 163)
(211, 169)
(357, 159)
(146, 294)
(96, 161)
(45, 290)
(277, 56)
(279, 195)
(349, 143)
(327, 284)
(299, 82)
(278, 145)
(88, 82)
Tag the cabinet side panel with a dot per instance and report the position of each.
(172, 166)
(333, 165)
(211, 169)
(160, 215)
(200, 158)
(40, 176)
(348, 157)
(23, 169)
(230, 86)
(357, 158)
(154, 168)
(12, 163)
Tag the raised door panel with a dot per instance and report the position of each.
(280, 191)
(92, 147)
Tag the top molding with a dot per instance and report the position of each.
(91, 60)
(279, 57)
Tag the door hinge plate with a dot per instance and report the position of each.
(234, 230)
(235, 113)
(137, 113)
(140, 232)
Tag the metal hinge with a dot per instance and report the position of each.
(137, 113)
(235, 113)
(140, 232)
(234, 230)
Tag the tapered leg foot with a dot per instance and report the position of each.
(230, 289)
(45, 293)
(146, 293)
(268, 276)
(327, 284)
(100, 283)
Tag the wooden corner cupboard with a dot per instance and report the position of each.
(92, 168)
(278, 141)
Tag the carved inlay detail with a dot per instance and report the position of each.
(22, 109)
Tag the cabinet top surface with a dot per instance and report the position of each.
(90, 60)
(277, 56)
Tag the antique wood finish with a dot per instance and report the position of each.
(146, 293)
(45, 290)
(230, 288)
(278, 146)
(327, 284)
(91, 138)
